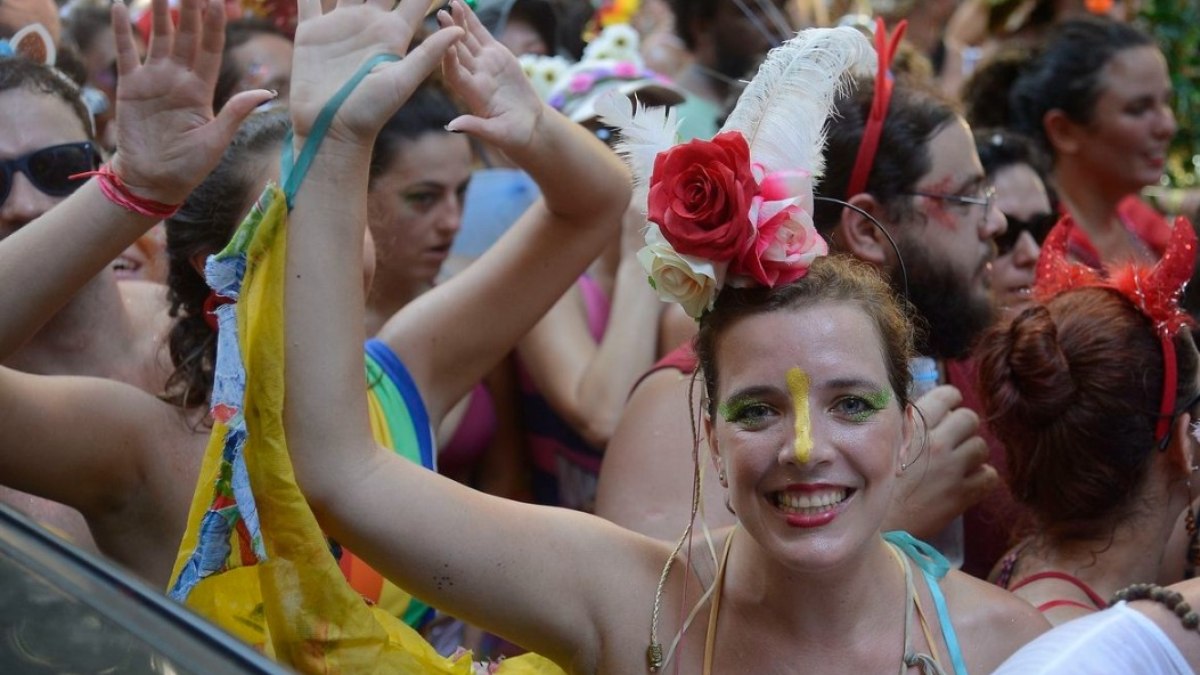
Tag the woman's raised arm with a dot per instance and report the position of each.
(167, 142)
(491, 561)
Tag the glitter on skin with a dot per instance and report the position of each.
(878, 400)
(798, 384)
(732, 409)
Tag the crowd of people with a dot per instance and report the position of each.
(703, 336)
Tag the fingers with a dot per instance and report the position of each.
(470, 124)
(477, 36)
(212, 42)
(160, 30)
(235, 111)
(935, 404)
(127, 55)
(412, 11)
(408, 73)
(977, 486)
(187, 38)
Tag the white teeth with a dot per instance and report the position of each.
(819, 501)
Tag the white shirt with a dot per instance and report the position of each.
(1116, 640)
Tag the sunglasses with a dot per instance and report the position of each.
(1038, 226)
(50, 169)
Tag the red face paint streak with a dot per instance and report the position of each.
(936, 209)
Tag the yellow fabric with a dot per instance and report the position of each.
(297, 606)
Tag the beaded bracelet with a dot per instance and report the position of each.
(114, 189)
(1172, 599)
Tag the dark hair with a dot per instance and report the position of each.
(689, 11)
(985, 93)
(915, 116)
(428, 110)
(1073, 389)
(21, 73)
(1000, 148)
(1066, 74)
(832, 278)
(86, 23)
(237, 33)
(204, 225)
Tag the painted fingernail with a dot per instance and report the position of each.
(453, 131)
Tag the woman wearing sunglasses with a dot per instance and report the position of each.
(1097, 97)
(1018, 171)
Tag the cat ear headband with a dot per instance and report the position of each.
(32, 42)
(1155, 291)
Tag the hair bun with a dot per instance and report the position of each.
(1027, 376)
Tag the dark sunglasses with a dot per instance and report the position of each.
(50, 169)
(1038, 226)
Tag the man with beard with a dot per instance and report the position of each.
(726, 38)
(920, 177)
(916, 173)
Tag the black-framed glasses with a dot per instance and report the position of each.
(1037, 225)
(984, 199)
(50, 169)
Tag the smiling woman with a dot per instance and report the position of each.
(1098, 96)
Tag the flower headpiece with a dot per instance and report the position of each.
(1155, 291)
(737, 209)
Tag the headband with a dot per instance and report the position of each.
(885, 51)
(1155, 291)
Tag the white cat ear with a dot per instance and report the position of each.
(34, 43)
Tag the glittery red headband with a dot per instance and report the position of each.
(1155, 291)
(885, 51)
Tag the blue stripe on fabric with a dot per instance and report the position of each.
(399, 375)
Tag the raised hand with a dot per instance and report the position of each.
(504, 108)
(331, 47)
(950, 474)
(168, 139)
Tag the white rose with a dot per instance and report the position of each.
(692, 282)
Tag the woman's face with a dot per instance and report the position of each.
(32, 121)
(1125, 144)
(415, 208)
(1021, 196)
(808, 430)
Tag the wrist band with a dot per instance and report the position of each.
(115, 190)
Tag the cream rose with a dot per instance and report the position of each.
(691, 282)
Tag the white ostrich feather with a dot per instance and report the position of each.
(783, 111)
(645, 132)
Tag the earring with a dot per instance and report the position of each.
(721, 476)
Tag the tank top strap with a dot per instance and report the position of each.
(934, 567)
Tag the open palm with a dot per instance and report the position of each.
(331, 47)
(168, 138)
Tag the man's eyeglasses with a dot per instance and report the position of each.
(985, 199)
(1037, 225)
(50, 169)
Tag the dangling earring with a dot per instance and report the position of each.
(721, 476)
(1192, 559)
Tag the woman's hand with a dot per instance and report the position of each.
(168, 139)
(504, 109)
(331, 47)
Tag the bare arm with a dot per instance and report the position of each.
(646, 479)
(452, 336)
(489, 560)
(587, 383)
(167, 142)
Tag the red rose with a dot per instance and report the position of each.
(700, 196)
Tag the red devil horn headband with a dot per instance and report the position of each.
(1155, 291)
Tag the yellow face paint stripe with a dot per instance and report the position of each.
(798, 384)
